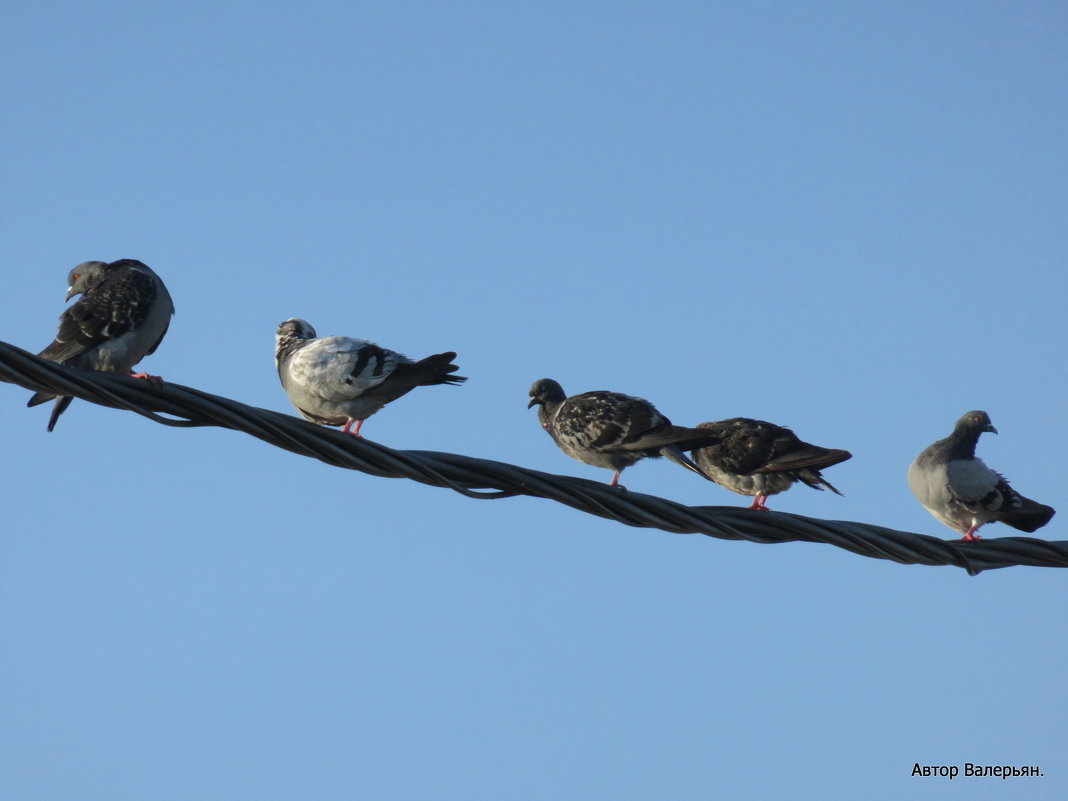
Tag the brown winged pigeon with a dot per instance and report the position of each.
(757, 458)
(121, 317)
(610, 429)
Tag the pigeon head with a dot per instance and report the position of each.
(290, 334)
(546, 392)
(974, 423)
(295, 328)
(84, 277)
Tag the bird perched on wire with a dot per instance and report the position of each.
(610, 429)
(757, 458)
(121, 317)
(340, 381)
(962, 492)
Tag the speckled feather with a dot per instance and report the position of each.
(122, 316)
(610, 429)
(335, 380)
(755, 457)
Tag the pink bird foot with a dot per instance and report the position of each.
(155, 379)
(758, 504)
(355, 431)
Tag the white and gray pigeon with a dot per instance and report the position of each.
(757, 458)
(339, 381)
(610, 429)
(962, 492)
(121, 317)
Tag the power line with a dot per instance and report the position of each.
(177, 405)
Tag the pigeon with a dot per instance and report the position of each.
(754, 457)
(962, 492)
(122, 315)
(610, 429)
(339, 381)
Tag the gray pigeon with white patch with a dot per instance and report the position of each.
(757, 458)
(121, 317)
(962, 492)
(610, 429)
(340, 381)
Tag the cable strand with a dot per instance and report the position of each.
(484, 479)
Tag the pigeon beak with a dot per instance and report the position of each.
(71, 292)
(990, 428)
(533, 402)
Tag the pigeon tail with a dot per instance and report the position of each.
(40, 397)
(1030, 517)
(62, 402)
(674, 454)
(808, 456)
(678, 437)
(433, 370)
(815, 479)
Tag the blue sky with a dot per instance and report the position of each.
(846, 218)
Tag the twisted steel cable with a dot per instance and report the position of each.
(177, 405)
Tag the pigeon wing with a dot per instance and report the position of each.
(974, 485)
(117, 305)
(342, 368)
(604, 421)
(741, 446)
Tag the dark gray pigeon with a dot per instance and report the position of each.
(610, 429)
(757, 458)
(121, 317)
(962, 492)
(338, 381)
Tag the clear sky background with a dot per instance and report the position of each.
(845, 217)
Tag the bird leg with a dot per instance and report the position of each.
(155, 379)
(970, 535)
(355, 431)
(758, 502)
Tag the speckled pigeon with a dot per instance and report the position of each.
(610, 429)
(339, 381)
(962, 492)
(757, 458)
(121, 317)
